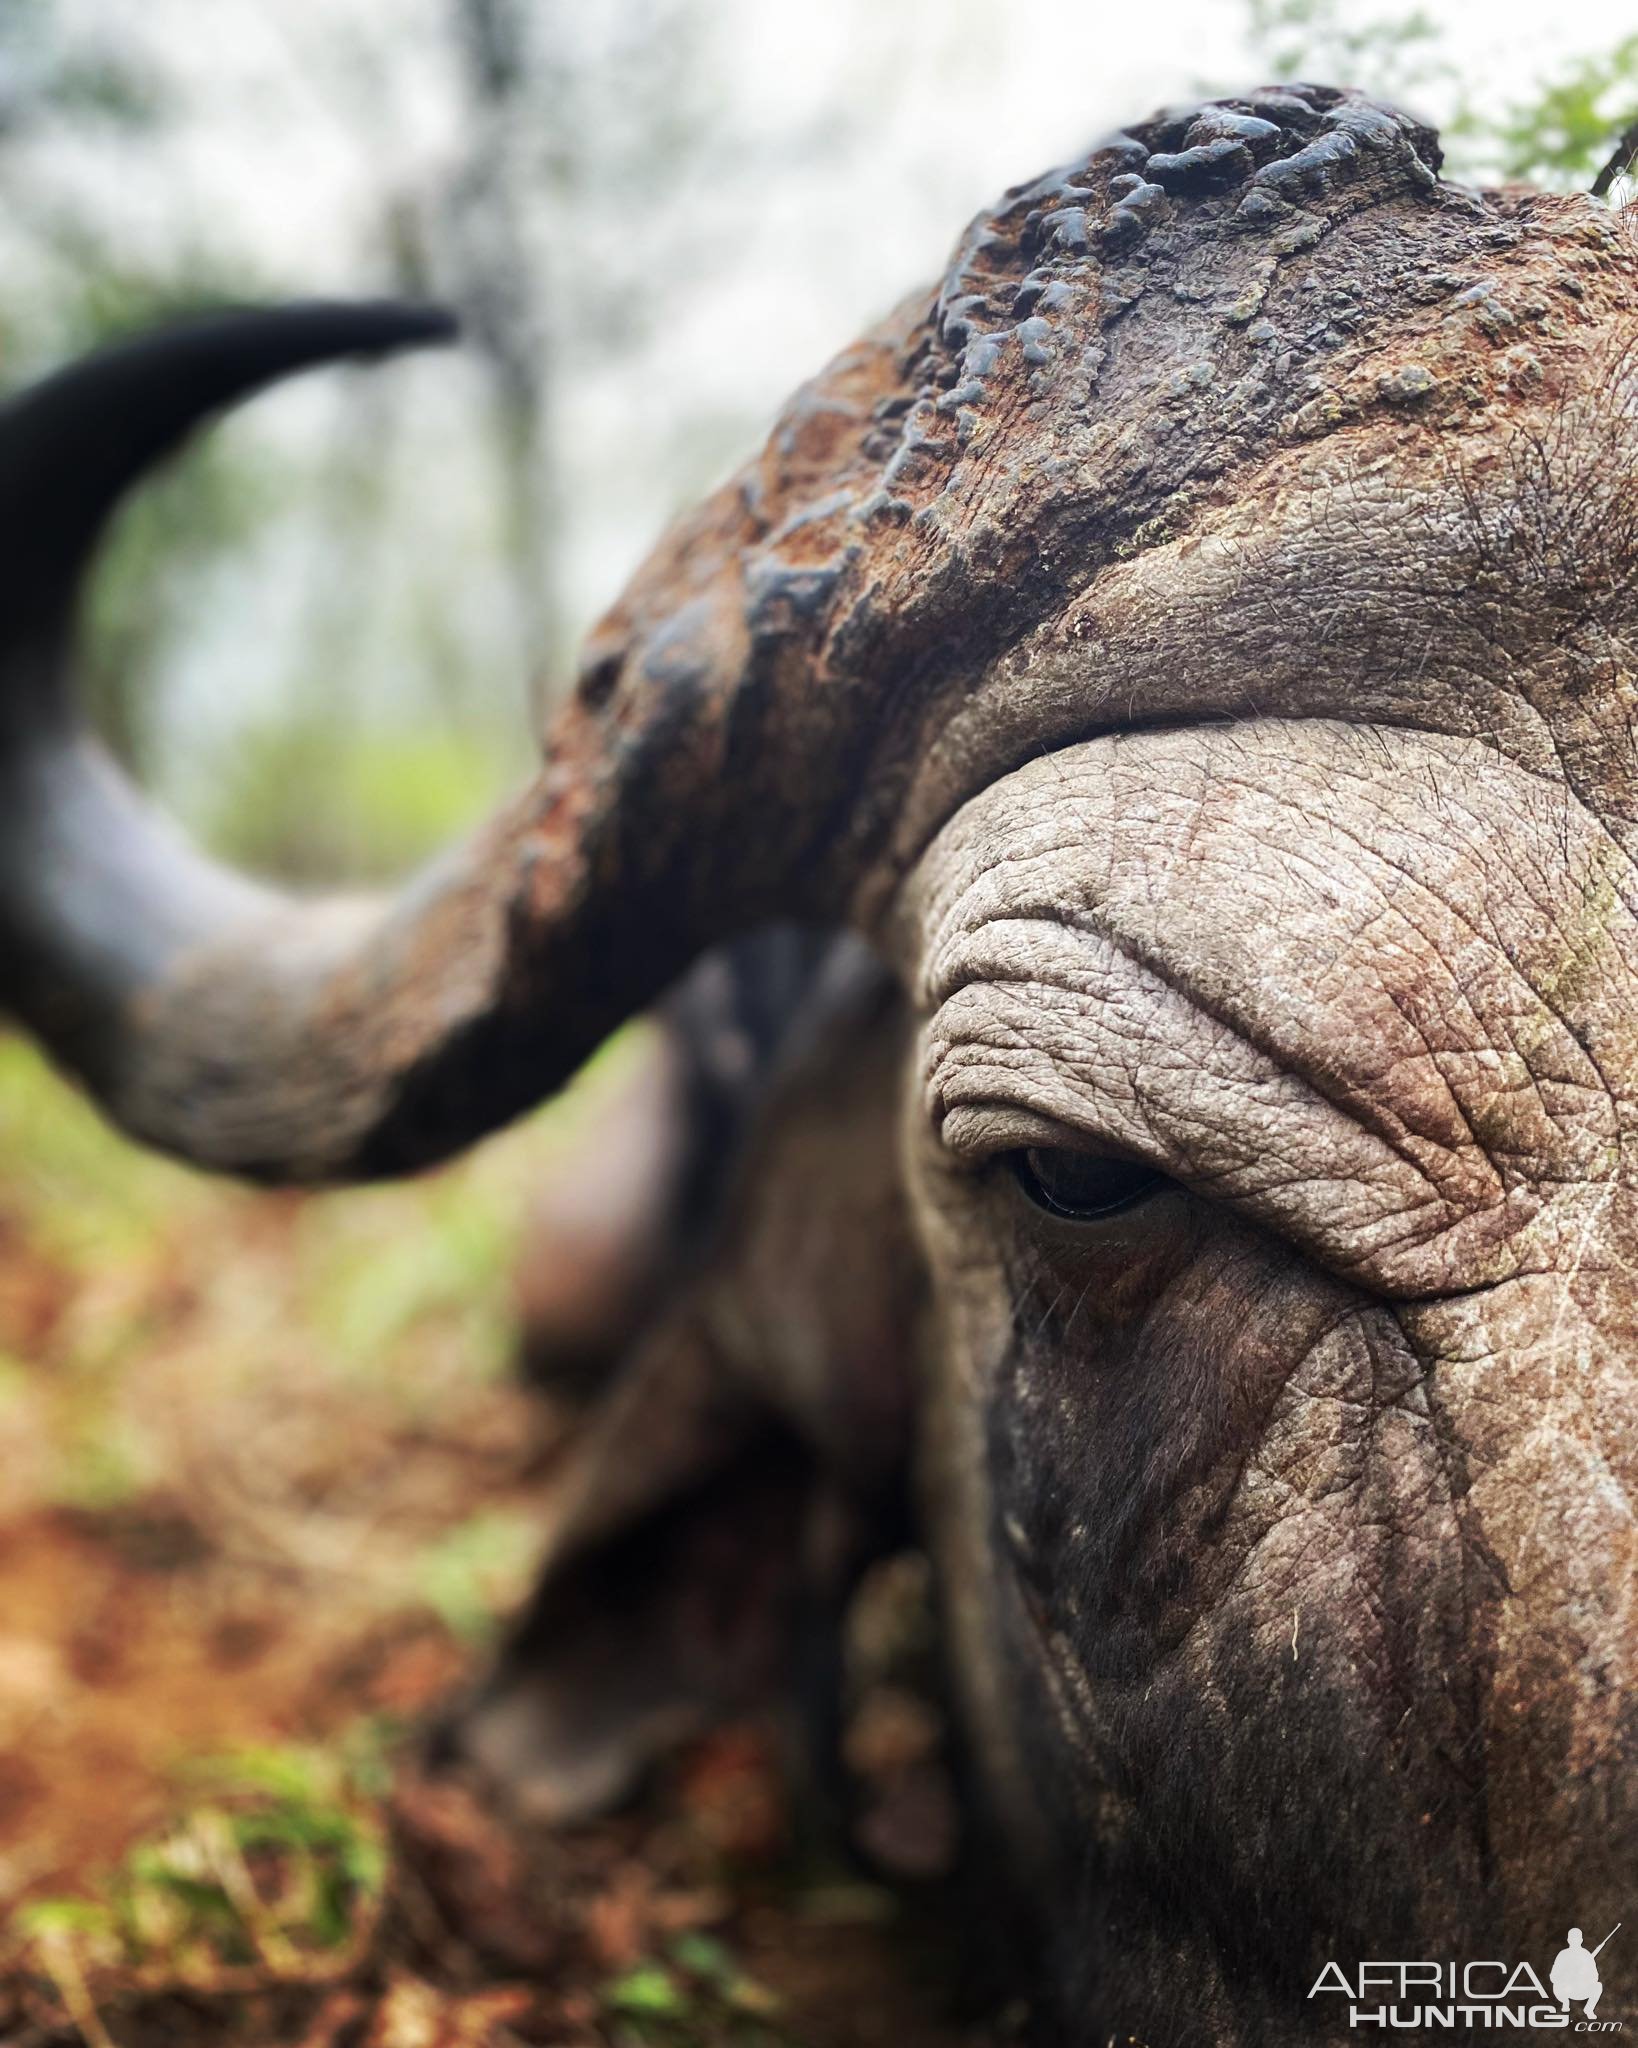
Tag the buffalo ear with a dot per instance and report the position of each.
(634, 1197)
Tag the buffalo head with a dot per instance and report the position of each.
(1195, 646)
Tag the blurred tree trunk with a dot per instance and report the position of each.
(504, 293)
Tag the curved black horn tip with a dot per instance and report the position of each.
(71, 445)
(365, 327)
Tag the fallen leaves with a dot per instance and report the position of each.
(266, 1496)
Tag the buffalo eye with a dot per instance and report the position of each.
(1082, 1185)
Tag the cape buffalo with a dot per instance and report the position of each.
(1183, 668)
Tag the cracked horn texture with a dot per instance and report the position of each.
(1112, 352)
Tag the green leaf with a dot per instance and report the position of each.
(702, 1955)
(647, 1988)
(48, 1917)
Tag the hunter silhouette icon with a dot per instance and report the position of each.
(1575, 1972)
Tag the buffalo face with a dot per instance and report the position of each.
(1272, 1132)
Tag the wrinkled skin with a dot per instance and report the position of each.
(1193, 647)
(1306, 1483)
(1286, 1518)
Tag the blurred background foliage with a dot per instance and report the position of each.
(1557, 129)
(328, 637)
